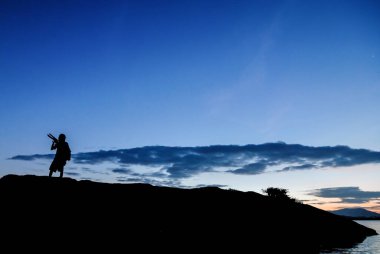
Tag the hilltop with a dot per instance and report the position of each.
(90, 214)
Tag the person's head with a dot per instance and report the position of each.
(61, 138)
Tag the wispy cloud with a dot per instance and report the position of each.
(250, 169)
(211, 185)
(122, 171)
(183, 162)
(147, 180)
(72, 173)
(347, 194)
(33, 157)
(376, 208)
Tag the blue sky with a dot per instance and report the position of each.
(128, 74)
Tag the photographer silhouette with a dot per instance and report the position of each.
(62, 155)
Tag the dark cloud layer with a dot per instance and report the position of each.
(72, 173)
(182, 162)
(250, 169)
(33, 157)
(121, 171)
(347, 194)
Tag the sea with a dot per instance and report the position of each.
(371, 245)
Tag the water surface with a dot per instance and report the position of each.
(371, 245)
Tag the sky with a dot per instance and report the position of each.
(237, 94)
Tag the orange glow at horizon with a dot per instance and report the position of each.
(334, 204)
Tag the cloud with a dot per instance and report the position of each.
(376, 208)
(300, 167)
(121, 170)
(250, 169)
(128, 179)
(33, 157)
(183, 162)
(346, 194)
(72, 173)
(210, 185)
(168, 183)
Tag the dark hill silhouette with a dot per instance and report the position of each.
(73, 214)
(357, 214)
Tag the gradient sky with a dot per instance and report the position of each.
(124, 74)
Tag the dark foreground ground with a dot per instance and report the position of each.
(40, 212)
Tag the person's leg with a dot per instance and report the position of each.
(51, 168)
(60, 169)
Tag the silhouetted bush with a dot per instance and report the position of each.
(279, 193)
(276, 193)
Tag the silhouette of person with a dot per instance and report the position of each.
(62, 155)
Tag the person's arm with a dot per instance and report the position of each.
(55, 141)
(68, 152)
(53, 146)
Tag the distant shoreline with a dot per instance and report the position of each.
(353, 218)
